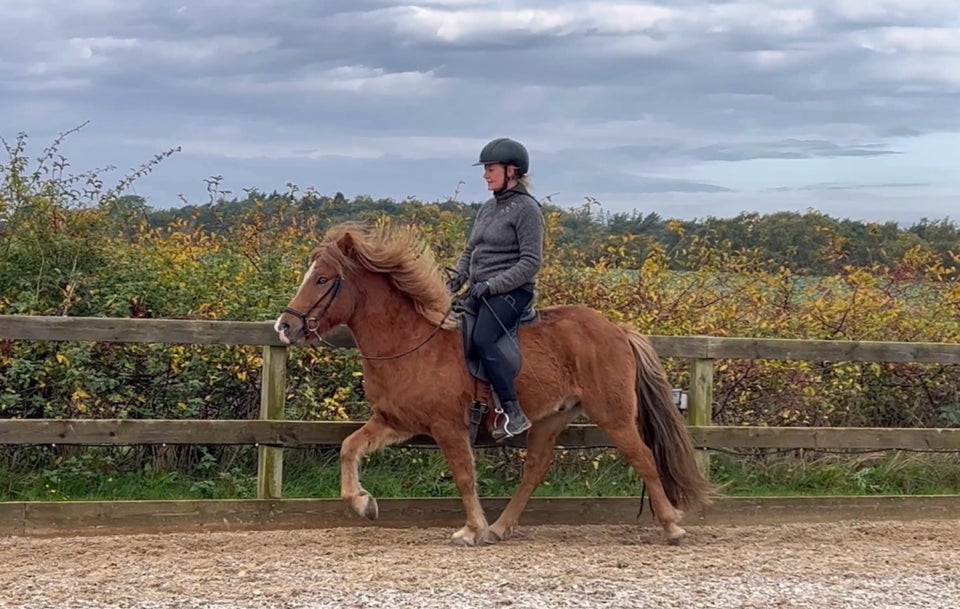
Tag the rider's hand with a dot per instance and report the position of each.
(456, 282)
(479, 290)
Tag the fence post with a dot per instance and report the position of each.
(700, 406)
(273, 391)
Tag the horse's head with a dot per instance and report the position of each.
(325, 297)
(390, 268)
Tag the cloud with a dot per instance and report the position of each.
(837, 186)
(892, 40)
(625, 98)
(484, 24)
(787, 149)
(879, 13)
(576, 177)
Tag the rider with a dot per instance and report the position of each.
(501, 260)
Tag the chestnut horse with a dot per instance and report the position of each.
(384, 284)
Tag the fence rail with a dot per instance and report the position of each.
(203, 332)
(272, 434)
(300, 434)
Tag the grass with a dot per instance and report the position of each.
(880, 473)
(95, 474)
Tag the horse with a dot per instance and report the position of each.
(385, 285)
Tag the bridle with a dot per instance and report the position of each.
(326, 299)
(312, 323)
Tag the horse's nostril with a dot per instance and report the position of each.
(284, 327)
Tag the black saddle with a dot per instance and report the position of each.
(509, 343)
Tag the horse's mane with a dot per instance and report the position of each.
(398, 252)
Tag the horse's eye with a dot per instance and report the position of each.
(321, 280)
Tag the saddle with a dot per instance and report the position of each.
(509, 345)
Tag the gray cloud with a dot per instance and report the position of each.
(787, 149)
(835, 186)
(374, 95)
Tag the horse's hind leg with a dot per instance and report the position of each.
(628, 441)
(541, 439)
(457, 450)
(373, 435)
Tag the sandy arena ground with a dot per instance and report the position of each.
(876, 565)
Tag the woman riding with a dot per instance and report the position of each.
(501, 261)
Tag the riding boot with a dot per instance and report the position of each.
(511, 422)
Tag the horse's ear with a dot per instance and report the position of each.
(346, 244)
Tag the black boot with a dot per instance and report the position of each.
(510, 422)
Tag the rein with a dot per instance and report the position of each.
(311, 323)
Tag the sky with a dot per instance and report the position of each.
(686, 108)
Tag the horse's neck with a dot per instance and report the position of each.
(386, 323)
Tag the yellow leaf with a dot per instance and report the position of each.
(63, 359)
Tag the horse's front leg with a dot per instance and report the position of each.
(455, 444)
(541, 440)
(372, 436)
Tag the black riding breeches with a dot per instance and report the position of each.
(499, 312)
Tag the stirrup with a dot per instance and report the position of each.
(502, 432)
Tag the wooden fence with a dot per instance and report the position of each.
(272, 434)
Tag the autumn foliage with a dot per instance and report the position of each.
(71, 246)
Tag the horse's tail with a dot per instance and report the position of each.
(663, 429)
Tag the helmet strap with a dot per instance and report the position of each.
(506, 180)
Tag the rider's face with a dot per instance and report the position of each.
(495, 175)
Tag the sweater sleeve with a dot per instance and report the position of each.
(529, 227)
(463, 264)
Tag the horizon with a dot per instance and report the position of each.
(596, 209)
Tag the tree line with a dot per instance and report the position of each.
(807, 243)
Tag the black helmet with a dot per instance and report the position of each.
(506, 151)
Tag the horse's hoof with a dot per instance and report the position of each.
(675, 536)
(364, 505)
(496, 535)
(468, 538)
(673, 531)
(371, 511)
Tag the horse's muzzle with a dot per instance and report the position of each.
(290, 334)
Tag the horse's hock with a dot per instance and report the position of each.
(846, 565)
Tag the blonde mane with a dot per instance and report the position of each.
(395, 251)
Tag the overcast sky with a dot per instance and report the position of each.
(687, 108)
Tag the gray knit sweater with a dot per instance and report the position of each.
(505, 248)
